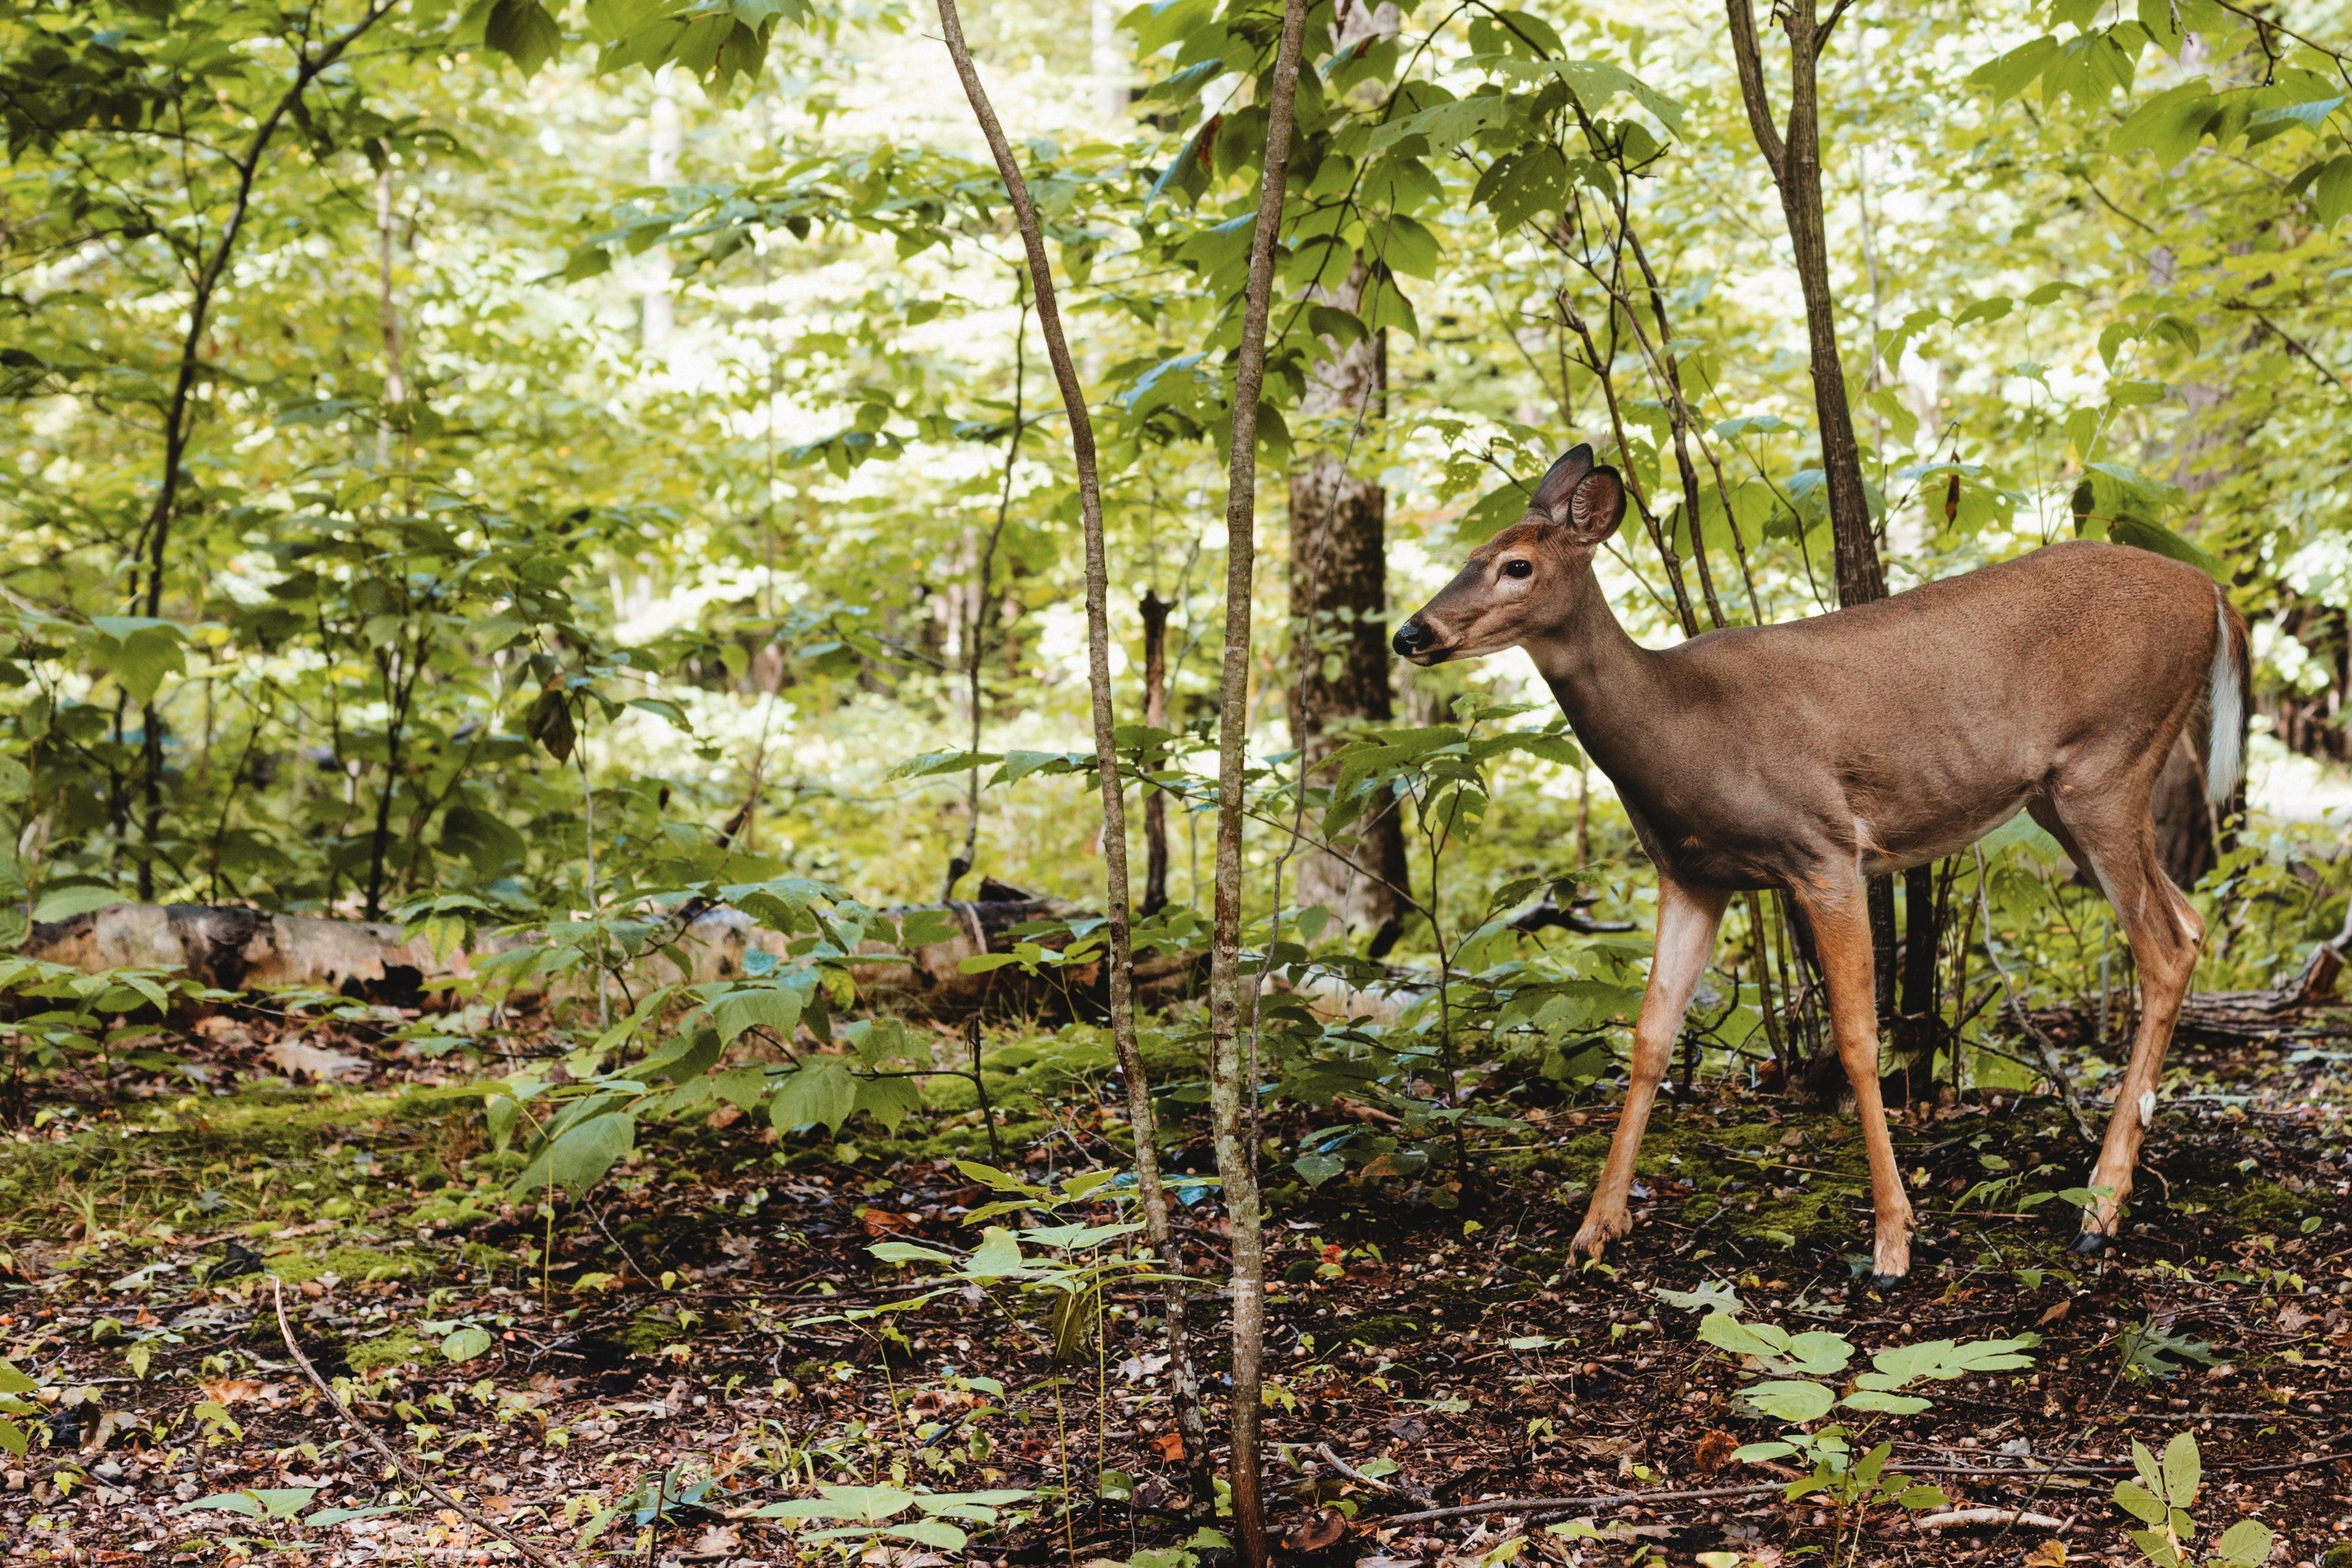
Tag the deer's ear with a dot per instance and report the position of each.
(1597, 507)
(1553, 491)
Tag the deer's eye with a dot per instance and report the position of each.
(1519, 567)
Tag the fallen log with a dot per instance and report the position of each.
(234, 948)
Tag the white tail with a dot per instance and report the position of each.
(2225, 745)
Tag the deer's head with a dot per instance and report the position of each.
(1517, 586)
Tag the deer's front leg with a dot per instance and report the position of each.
(1840, 922)
(1688, 918)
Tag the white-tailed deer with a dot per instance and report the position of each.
(1812, 755)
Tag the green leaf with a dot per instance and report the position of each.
(1756, 1453)
(936, 1532)
(1724, 1331)
(243, 1504)
(577, 1158)
(13, 1380)
(866, 1505)
(1943, 1360)
(64, 903)
(2183, 1470)
(909, 1252)
(889, 1100)
(1791, 1400)
(2015, 71)
(2331, 192)
(773, 1007)
(2139, 1502)
(2167, 125)
(1886, 1404)
(2161, 541)
(2246, 1544)
(523, 32)
(465, 1343)
(924, 928)
(822, 1091)
(998, 1255)
(1318, 1169)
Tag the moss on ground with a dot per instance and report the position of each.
(295, 1265)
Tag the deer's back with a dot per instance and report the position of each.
(1915, 723)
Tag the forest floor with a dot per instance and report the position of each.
(700, 1318)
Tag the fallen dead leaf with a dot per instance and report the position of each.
(1713, 1451)
(1170, 1446)
(716, 1541)
(881, 1221)
(226, 1392)
(2056, 1313)
(297, 1059)
(2051, 1553)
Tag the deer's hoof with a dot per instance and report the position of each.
(1886, 1283)
(2091, 1242)
(1593, 1238)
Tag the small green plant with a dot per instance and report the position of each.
(853, 1519)
(14, 1387)
(1793, 1389)
(1072, 1268)
(2161, 1498)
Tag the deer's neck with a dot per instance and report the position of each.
(1606, 683)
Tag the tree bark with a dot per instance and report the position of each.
(1795, 161)
(1120, 954)
(1338, 609)
(1154, 610)
(1230, 1086)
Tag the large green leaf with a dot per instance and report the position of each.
(1792, 1400)
(822, 1092)
(775, 1008)
(577, 1158)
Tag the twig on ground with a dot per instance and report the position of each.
(1960, 1518)
(381, 1447)
(1597, 1499)
(1353, 1474)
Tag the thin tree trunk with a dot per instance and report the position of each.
(1121, 959)
(1795, 160)
(1154, 610)
(1338, 611)
(1230, 1090)
(179, 413)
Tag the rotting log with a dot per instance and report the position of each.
(234, 948)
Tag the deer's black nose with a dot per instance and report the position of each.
(1411, 638)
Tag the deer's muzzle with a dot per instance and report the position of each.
(1414, 641)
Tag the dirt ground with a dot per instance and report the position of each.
(706, 1316)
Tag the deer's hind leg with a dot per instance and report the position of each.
(2115, 844)
(1688, 920)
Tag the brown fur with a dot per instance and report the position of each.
(1811, 756)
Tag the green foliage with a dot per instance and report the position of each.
(852, 1518)
(2160, 1500)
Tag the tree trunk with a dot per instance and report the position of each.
(1795, 160)
(1233, 1083)
(1154, 610)
(1338, 609)
(1120, 961)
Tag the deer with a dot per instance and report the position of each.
(1768, 757)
